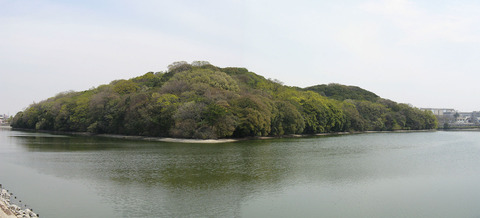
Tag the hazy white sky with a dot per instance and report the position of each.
(426, 53)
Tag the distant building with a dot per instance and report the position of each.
(3, 119)
(440, 111)
(444, 115)
(462, 119)
(455, 118)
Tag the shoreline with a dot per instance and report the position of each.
(5, 212)
(461, 129)
(230, 140)
(10, 210)
(217, 141)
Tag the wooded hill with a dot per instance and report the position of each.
(199, 100)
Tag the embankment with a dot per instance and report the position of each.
(11, 207)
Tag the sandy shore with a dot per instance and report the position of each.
(195, 140)
(160, 139)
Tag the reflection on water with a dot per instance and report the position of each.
(374, 175)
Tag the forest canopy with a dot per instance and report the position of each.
(199, 100)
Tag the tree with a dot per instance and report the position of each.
(286, 119)
(179, 66)
(254, 116)
(200, 63)
(189, 122)
(320, 114)
(353, 120)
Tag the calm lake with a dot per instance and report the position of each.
(423, 174)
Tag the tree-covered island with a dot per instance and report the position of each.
(202, 101)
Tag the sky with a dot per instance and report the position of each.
(423, 52)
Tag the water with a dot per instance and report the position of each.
(426, 174)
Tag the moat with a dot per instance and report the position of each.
(423, 174)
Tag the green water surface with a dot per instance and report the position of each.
(424, 174)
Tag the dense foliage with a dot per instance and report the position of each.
(342, 92)
(200, 100)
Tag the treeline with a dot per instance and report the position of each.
(199, 100)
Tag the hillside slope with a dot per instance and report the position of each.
(200, 100)
(342, 92)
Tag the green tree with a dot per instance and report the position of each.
(125, 87)
(286, 119)
(254, 116)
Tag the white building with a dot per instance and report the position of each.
(467, 117)
(462, 119)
